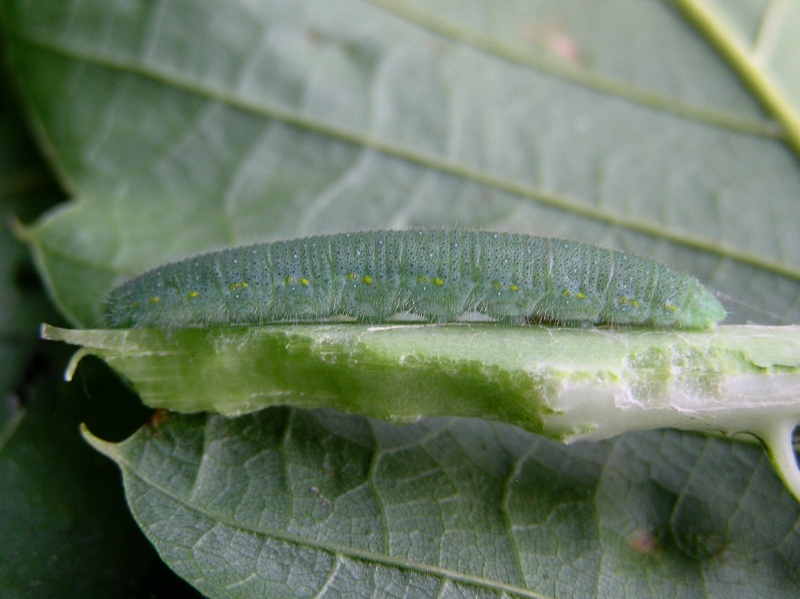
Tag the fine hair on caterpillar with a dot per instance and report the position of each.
(434, 275)
(736, 307)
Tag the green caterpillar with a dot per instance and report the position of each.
(436, 275)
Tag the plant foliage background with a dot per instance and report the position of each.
(177, 127)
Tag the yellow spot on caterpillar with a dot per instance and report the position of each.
(566, 293)
(580, 295)
(515, 288)
(234, 286)
(422, 279)
(438, 282)
(245, 285)
(635, 303)
(304, 282)
(623, 300)
(497, 284)
(669, 307)
(367, 279)
(289, 280)
(351, 276)
(192, 294)
(155, 299)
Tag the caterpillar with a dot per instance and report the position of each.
(434, 275)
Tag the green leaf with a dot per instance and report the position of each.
(273, 121)
(65, 529)
(297, 503)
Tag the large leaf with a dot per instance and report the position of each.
(184, 126)
(295, 503)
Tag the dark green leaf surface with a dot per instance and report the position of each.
(297, 503)
(65, 530)
(26, 190)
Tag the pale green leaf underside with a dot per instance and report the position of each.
(299, 503)
(618, 125)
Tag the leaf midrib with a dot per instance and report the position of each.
(580, 76)
(113, 451)
(722, 35)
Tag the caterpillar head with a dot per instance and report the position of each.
(701, 310)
